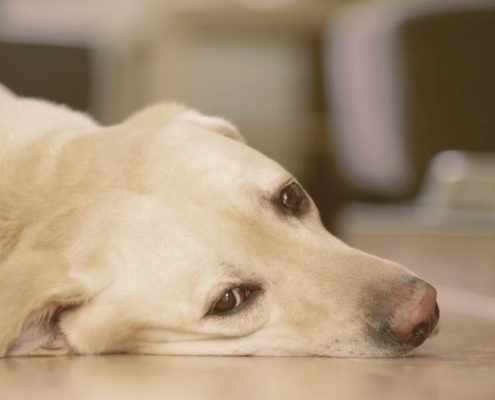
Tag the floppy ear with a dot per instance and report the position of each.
(163, 113)
(34, 289)
(215, 124)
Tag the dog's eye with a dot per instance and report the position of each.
(231, 300)
(292, 197)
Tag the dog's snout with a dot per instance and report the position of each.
(414, 313)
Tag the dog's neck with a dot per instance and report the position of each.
(32, 134)
(23, 180)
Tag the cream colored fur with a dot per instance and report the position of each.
(119, 239)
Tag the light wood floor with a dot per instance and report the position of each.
(457, 364)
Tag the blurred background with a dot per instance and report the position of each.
(384, 110)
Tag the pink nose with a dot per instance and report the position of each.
(414, 312)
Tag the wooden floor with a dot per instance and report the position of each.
(457, 364)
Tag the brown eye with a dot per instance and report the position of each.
(231, 300)
(292, 197)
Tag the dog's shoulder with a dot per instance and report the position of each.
(32, 132)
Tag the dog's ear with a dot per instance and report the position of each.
(215, 124)
(34, 289)
(164, 113)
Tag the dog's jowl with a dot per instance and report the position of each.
(167, 234)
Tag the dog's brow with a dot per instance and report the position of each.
(273, 178)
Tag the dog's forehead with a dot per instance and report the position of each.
(200, 154)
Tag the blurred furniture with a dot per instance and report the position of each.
(405, 81)
(83, 54)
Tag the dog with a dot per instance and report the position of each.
(167, 234)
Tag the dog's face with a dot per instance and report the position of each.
(184, 240)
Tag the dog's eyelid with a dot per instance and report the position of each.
(286, 183)
(252, 287)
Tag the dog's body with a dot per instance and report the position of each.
(166, 234)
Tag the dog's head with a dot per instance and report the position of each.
(168, 235)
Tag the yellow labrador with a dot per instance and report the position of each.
(167, 234)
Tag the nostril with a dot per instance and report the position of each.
(420, 334)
